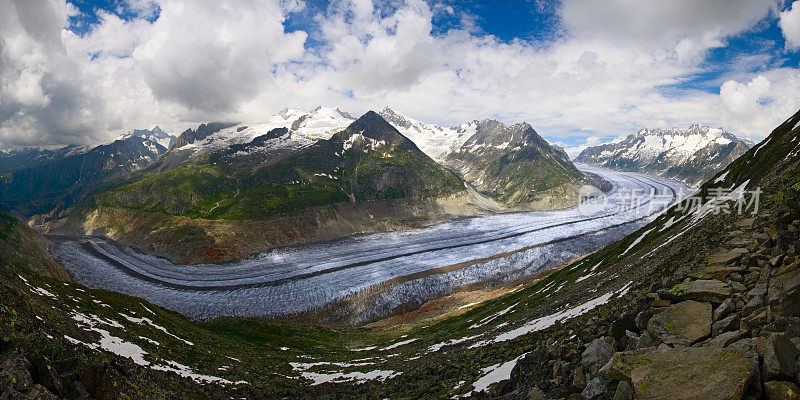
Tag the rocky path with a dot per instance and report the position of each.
(725, 329)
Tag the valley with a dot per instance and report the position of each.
(363, 278)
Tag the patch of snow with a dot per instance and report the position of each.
(635, 242)
(547, 321)
(493, 316)
(148, 321)
(438, 346)
(398, 344)
(495, 373)
(722, 177)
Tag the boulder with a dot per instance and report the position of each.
(780, 355)
(778, 390)
(595, 389)
(578, 379)
(725, 339)
(684, 373)
(624, 391)
(692, 373)
(724, 325)
(14, 372)
(724, 309)
(702, 290)
(728, 257)
(535, 393)
(784, 292)
(596, 355)
(718, 272)
(745, 223)
(683, 323)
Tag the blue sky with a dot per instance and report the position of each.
(577, 70)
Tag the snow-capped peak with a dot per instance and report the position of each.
(433, 140)
(305, 128)
(153, 136)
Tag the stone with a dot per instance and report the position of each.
(784, 293)
(595, 389)
(15, 372)
(641, 320)
(756, 303)
(702, 290)
(760, 237)
(660, 303)
(684, 373)
(10, 394)
(778, 390)
(718, 271)
(578, 379)
(728, 257)
(756, 319)
(724, 325)
(596, 355)
(725, 339)
(738, 287)
(624, 391)
(724, 309)
(39, 392)
(780, 355)
(560, 368)
(535, 393)
(745, 223)
(623, 324)
(683, 323)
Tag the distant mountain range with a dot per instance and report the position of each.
(690, 155)
(227, 190)
(511, 164)
(50, 181)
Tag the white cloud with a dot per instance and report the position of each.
(790, 25)
(754, 108)
(234, 61)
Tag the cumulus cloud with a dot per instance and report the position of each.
(754, 108)
(789, 23)
(236, 61)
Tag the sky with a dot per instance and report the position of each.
(579, 71)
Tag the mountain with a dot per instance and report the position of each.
(690, 155)
(65, 180)
(511, 164)
(516, 166)
(435, 141)
(223, 203)
(30, 157)
(155, 135)
(696, 304)
(305, 128)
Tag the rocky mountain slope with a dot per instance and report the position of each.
(248, 197)
(690, 155)
(516, 166)
(511, 164)
(54, 185)
(696, 304)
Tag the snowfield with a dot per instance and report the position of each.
(300, 278)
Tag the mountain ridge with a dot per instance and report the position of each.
(691, 155)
